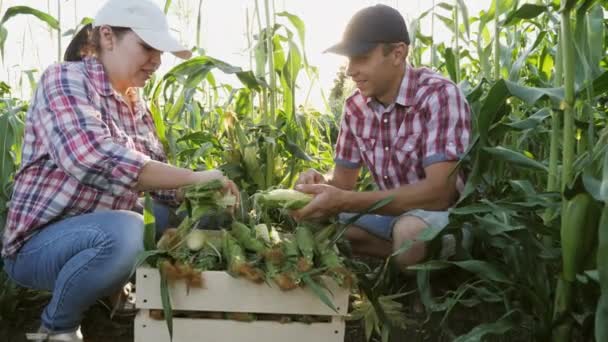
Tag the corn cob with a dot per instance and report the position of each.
(574, 233)
(244, 236)
(274, 253)
(196, 240)
(306, 243)
(235, 259)
(335, 268)
(284, 198)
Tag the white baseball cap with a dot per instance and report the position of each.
(146, 19)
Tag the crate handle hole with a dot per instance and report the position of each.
(145, 300)
(145, 276)
(336, 332)
(144, 326)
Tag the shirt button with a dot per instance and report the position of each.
(385, 120)
(385, 177)
(408, 146)
(386, 148)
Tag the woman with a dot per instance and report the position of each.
(89, 151)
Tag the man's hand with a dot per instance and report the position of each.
(328, 201)
(311, 176)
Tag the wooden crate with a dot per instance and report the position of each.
(223, 293)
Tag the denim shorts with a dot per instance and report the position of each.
(382, 225)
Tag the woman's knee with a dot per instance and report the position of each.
(124, 231)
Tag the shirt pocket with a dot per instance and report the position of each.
(366, 148)
(406, 153)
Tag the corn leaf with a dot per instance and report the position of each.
(318, 290)
(20, 10)
(499, 327)
(167, 6)
(143, 256)
(149, 224)
(526, 11)
(342, 229)
(516, 158)
(166, 301)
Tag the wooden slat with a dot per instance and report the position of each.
(195, 330)
(224, 293)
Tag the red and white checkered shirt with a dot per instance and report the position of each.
(83, 150)
(428, 123)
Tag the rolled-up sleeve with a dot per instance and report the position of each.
(347, 150)
(77, 138)
(448, 127)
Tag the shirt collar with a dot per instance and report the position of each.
(406, 94)
(98, 76)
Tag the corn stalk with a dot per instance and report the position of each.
(496, 41)
(563, 296)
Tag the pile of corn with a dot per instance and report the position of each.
(259, 254)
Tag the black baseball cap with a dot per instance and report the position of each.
(369, 27)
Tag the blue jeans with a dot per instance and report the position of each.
(81, 259)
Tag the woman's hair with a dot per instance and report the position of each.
(86, 42)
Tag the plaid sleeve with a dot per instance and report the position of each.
(78, 140)
(156, 151)
(448, 128)
(347, 150)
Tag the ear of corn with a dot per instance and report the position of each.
(306, 245)
(245, 237)
(284, 198)
(601, 314)
(196, 240)
(261, 232)
(323, 236)
(202, 198)
(577, 226)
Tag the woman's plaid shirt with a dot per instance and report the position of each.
(83, 150)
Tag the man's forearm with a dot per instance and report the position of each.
(422, 195)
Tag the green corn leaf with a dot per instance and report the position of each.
(342, 229)
(318, 290)
(166, 301)
(20, 10)
(143, 256)
(167, 6)
(149, 224)
(526, 11)
(515, 158)
(482, 269)
(499, 327)
(450, 63)
(464, 11)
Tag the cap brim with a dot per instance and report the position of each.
(163, 41)
(351, 48)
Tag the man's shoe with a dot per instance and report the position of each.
(448, 244)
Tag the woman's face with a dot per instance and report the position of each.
(128, 60)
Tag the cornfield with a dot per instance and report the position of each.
(535, 74)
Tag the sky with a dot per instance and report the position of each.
(31, 45)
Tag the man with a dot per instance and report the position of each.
(408, 126)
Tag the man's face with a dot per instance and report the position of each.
(374, 72)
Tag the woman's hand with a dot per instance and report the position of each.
(209, 175)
